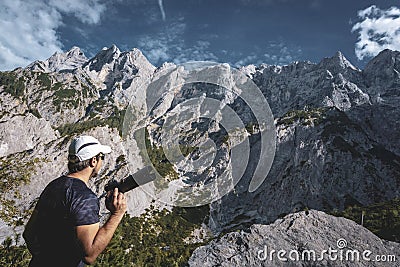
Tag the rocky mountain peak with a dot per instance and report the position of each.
(75, 52)
(334, 146)
(312, 230)
(387, 58)
(110, 69)
(113, 59)
(136, 57)
(105, 56)
(384, 68)
(59, 61)
(68, 60)
(337, 63)
(115, 68)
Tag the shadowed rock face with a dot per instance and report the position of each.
(326, 166)
(342, 149)
(306, 233)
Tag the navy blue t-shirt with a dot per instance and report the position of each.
(65, 203)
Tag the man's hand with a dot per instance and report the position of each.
(94, 239)
(116, 202)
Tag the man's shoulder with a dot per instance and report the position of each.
(80, 191)
(73, 186)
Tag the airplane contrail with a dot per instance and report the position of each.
(160, 4)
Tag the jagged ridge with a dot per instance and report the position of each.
(337, 127)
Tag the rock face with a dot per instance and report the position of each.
(337, 140)
(337, 131)
(60, 61)
(383, 71)
(302, 237)
(13, 141)
(46, 104)
(334, 82)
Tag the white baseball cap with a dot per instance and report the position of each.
(86, 147)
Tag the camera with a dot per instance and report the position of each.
(141, 177)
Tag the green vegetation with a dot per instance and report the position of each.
(156, 155)
(86, 84)
(66, 97)
(307, 116)
(383, 219)
(116, 120)
(57, 86)
(11, 84)
(98, 107)
(187, 150)
(13, 256)
(65, 93)
(121, 160)
(16, 87)
(251, 127)
(89, 82)
(15, 170)
(44, 80)
(225, 140)
(156, 238)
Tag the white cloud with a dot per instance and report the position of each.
(169, 45)
(156, 50)
(274, 53)
(377, 30)
(160, 4)
(88, 11)
(198, 52)
(251, 59)
(29, 28)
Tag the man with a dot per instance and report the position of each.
(64, 227)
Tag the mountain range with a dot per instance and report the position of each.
(337, 140)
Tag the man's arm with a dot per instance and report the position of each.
(95, 239)
(30, 232)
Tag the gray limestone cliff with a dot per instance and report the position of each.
(307, 238)
(336, 128)
(336, 145)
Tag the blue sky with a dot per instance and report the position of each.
(239, 32)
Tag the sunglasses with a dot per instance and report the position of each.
(101, 156)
